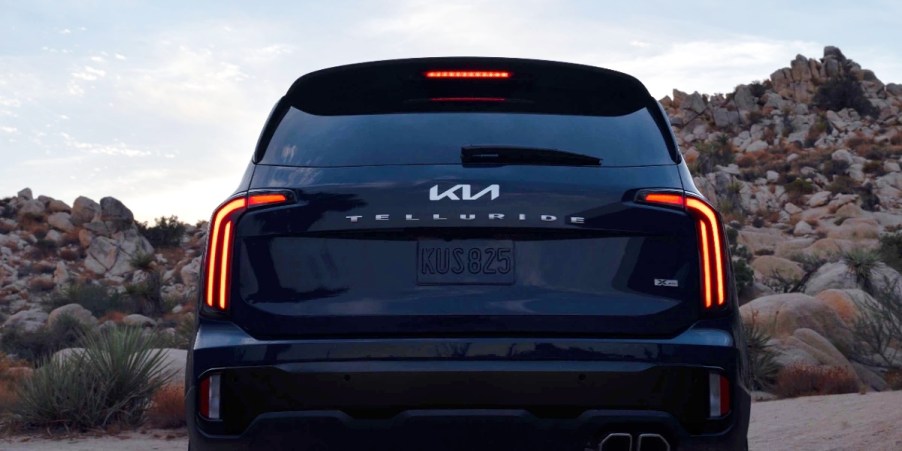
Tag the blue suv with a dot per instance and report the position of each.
(467, 254)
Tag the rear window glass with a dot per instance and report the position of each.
(304, 139)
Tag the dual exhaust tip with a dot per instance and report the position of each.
(622, 441)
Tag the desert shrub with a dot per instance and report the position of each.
(755, 117)
(798, 188)
(743, 274)
(43, 248)
(890, 250)
(166, 232)
(762, 359)
(167, 408)
(874, 167)
(96, 298)
(842, 184)
(807, 380)
(718, 152)
(42, 343)
(110, 383)
(894, 379)
(878, 326)
(835, 167)
(843, 92)
(146, 295)
(141, 261)
(861, 264)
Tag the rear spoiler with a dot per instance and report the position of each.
(467, 84)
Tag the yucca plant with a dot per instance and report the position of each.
(110, 381)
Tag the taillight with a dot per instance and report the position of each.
(711, 249)
(219, 245)
(467, 74)
(209, 396)
(710, 242)
(718, 395)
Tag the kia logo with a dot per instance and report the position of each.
(464, 192)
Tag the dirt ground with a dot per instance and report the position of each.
(840, 422)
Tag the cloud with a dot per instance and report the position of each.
(89, 73)
(117, 148)
(10, 130)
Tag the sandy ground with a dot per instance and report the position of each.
(841, 422)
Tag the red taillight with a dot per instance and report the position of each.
(712, 252)
(219, 245)
(467, 74)
(710, 242)
(718, 395)
(209, 399)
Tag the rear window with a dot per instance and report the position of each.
(309, 140)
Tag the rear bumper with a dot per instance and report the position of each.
(486, 393)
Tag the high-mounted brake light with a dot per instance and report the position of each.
(710, 242)
(467, 74)
(219, 245)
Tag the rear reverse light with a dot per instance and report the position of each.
(719, 395)
(467, 74)
(710, 242)
(209, 397)
(219, 245)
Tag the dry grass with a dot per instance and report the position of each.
(806, 380)
(894, 379)
(114, 316)
(9, 383)
(168, 407)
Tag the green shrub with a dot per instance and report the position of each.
(843, 92)
(42, 343)
(110, 383)
(166, 232)
(798, 188)
(141, 261)
(878, 327)
(763, 366)
(861, 264)
(890, 250)
(718, 152)
(146, 296)
(98, 299)
(743, 274)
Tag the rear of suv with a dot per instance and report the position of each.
(467, 254)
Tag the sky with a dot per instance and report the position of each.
(160, 103)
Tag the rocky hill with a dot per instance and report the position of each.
(805, 167)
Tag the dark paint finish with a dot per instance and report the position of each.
(334, 341)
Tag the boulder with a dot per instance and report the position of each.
(837, 275)
(138, 321)
(60, 221)
(25, 194)
(818, 347)
(759, 240)
(58, 206)
(869, 377)
(75, 311)
(84, 210)
(856, 229)
(31, 207)
(743, 99)
(818, 199)
(26, 320)
(802, 228)
(112, 255)
(174, 362)
(846, 302)
(780, 315)
(114, 212)
(768, 265)
(828, 247)
(190, 272)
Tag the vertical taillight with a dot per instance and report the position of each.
(711, 246)
(711, 250)
(219, 245)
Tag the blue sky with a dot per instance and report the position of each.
(160, 103)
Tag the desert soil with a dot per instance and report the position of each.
(840, 422)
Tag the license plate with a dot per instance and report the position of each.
(465, 262)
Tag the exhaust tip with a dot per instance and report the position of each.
(653, 442)
(617, 441)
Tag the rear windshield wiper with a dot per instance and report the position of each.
(525, 155)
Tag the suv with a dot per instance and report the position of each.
(467, 254)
